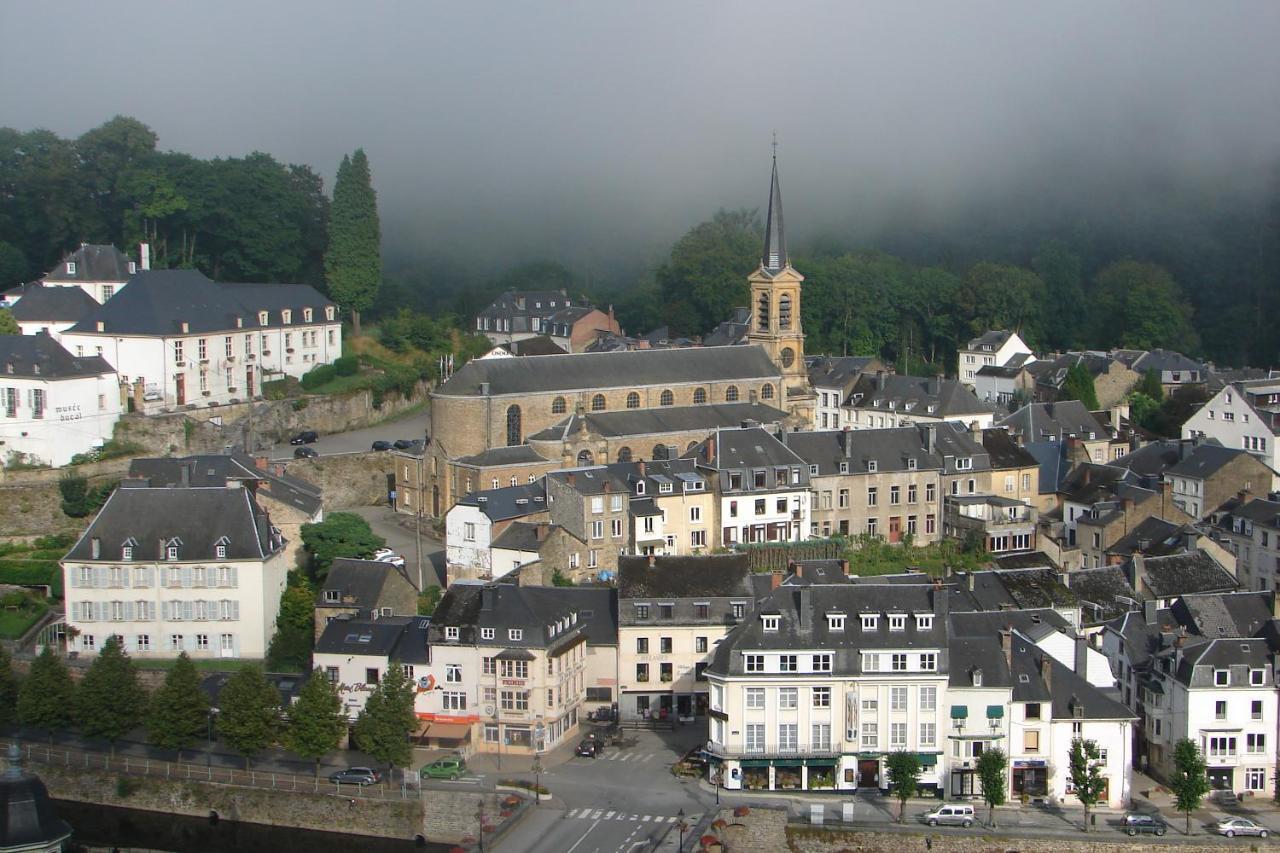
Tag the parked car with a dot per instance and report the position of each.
(403, 443)
(356, 776)
(589, 747)
(952, 814)
(309, 436)
(305, 453)
(381, 445)
(1234, 826)
(386, 555)
(1134, 824)
(445, 768)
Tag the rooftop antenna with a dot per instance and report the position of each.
(775, 145)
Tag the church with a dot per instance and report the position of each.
(502, 422)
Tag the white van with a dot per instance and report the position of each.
(954, 814)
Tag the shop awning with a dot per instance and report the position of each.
(821, 762)
(449, 731)
(959, 712)
(514, 654)
(995, 712)
(927, 759)
(755, 762)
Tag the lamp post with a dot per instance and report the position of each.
(480, 821)
(682, 827)
(539, 732)
(209, 752)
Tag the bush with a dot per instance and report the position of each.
(319, 375)
(279, 389)
(127, 787)
(348, 365)
(56, 541)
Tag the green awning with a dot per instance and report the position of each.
(755, 762)
(959, 712)
(820, 762)
(927, 759)
(995, 712)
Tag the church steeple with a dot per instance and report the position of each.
(774, 258)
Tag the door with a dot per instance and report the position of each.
(180, 388)
(869, 774)
(248, 382)
(895, 528)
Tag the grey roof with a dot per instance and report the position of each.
(194, 519)
(1161, 360)
(774, 257)
(509, 502)
(30, 819)
(1260, 512)
(1218, 615)
(94, 262)
(1152, 460)
(158, 302)
(1004, 451)
(684, 577)
(1041, 421)
(520, 536)
(1199, 660)
(993, 339)
(513, 304)
(520, 454)
(1022, 588)
(1183, 574)
(57, 303)
(664, 420)
(913, 395)
(532, 610)
(1153, 537)
(1206, 460)
(1102, 592)
(32, 356)
(891, 450)
(1052, 372)
(1025, 560)
(361, 583)
(1002, 371)
(1054, 467)
(218, 470)
(730, 332)
(403, 639)
(839, 371)
(538, 345)
(748, 447)
(594, 370)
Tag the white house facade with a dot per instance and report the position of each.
(992, 348)
(1243, 415)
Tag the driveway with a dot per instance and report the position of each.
(412, 425)
(400, 532)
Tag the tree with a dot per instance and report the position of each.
(45, 697)
(8, 690)
(706, 275)
(1141, 306)
(429, 600)
(1085, 773)
(997, 296)
(110, 701)
(249, 712)
(290, 649)
(179, 714)
(8, 325)
(353, 263)
(1190, 780)
(903, 771)
(992, 767)
(1078, 385)
(317, 720)
(1062, 273)
(383, 727)
(1150, 385)
(341, 534)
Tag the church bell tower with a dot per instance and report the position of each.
(775, 297)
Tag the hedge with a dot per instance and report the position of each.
(347, 365)
(32, 573)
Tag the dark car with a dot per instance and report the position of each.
(404, 443)
(1145, 824)
(309, 436)
(589, 747)
(381, 445)
(356, 776)
(305, 453)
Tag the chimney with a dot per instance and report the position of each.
(931, 438)
(844, 567)
(1006, 646)
(144, 256)
(489, 597)
(1150, 610)
(1126, 505)
(1082, 658)
(941, 602)
(775, 579)
(95, 548)
(846, 438)
(1191, 539)
(972, 578)
(605, 486)
(540, 532)
(640, 467)
(711, 448)
(484, 389)
(185, 477)
(571, 478)
(260, 462)
(653, 561)
(935, 386)
(796, 569)
(1046, 672)
(879, 380)
(975, 431)
(1115, 420)
(804, 604)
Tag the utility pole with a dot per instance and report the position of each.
(417, 538)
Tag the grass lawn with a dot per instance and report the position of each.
(343, 384)
(202, 664)
(14, 623)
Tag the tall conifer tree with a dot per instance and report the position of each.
(179, 715)
(353, 262)
(110, 701)
(44, 700)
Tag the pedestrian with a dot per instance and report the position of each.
(351, 803)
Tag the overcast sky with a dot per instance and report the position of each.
(592, 129)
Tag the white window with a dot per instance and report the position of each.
(822, 697)
(695, 514)
(453, 673)
(788, 737)
(1256, 743)
(897, 735)
(515, 634)
(143, 643)
(821, 741)
(928, 734)
(754, 663)
(1221, 677)
(597, 530)
(469, 531)
(928, 662)
(1257, 677)
(924, 621)
(822, 662)
(897, 622)
(897, 698)
(454, 701)
(870, 736)
(928, 698)
(755, 698)
(451, 632)
(788, 698)
(835, 621)
(769, 622)
(597, 505)
(755, 737)
(485, 633)
(869, 621)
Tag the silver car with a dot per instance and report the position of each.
(1234, 826)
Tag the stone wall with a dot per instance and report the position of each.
(34, 510)
(452, 815)
(394, 818)
(352, 479)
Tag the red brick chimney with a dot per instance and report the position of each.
(775, 579)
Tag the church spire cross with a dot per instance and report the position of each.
(774, 258)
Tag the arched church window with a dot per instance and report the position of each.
(667, 399)
(731, 394)
(513, 426)
(633, 400)
(624, 454)
(788, 357)
(586, 457)
(784, 311)
(597, 403)
(700, 395)
(659, 451)
(766, 391)
(762, 312)
(559, 406)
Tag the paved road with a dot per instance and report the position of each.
(410, 426)
(398, 529)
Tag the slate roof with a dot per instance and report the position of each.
(994, 339)
(774, 256)
(1218, 616)
(94, 262)
(508, 502)
(684, 577)
(1152, 460)
(539, 345)
(360, 583)
(1025, 560)
(536, 303)
(913, 395)
(1041, 421)
(1161, 360)
(1153, 536)
(519, 536)
(157, 302)
(402, 639)
(1183, 574)
(592, 370)
(53, 304)
(1260, 512)
(731, 332)
(840, 371)
(41, 357)
(1054, 467)
(750, 447)
(198, 518)
(1102, 592)
(1025, 588)
(891, 449)
(1004, 452)
(496, 457)
(664, 420)
(217, 470)
(471, 606)
(1206, 460)
(1199, 660)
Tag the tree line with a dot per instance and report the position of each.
(110, 702)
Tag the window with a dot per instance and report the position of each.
(754, 663)
(451, 632)
(928, 734)
(897, 698)
(513, 426)
(515, 668)
(755, 737)
(755, 698)
(924, 621)
(928, 661)
(1255, 709)
(1033, 711)
(700, 645)
(664, 645)
(870, 621)
(1031, 741)
(667, 398)
(822, 662)
(897, 735)
(788, 698)
(642, 672)
(515, 700)
(928, 698)
(597, 403)
(1221, 678)
(516, 634)
(787, 663)
(1220, 710)
(897, 622)
(597, 530)
(454, 701)
(1257, 677)
(898, 662)
(453, 673)
(788, 737)
(739, 609)
(633, 400)
(822, 697)
(1255, 779)
(1256, 743)
(642, 645)
(202, 642)
(870, 736)
(821, 740)
(769, 622)
(872, 492)
(835, 621)
(1222, 746)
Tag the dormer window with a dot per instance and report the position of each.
(286, 316)
(515, 634)
(171, 552)
(911, 464)
(71, 267)
(844, 467)
(872, 466)
(307, 314)
(451, 632)
(1221, 678)
(639, 487)
(897, 622)
(924, 621)
(328, 313)
(964, 463)
(220, 552)
(769, 622)
(835, 621)
(486, 633)
(664, 488)
(933, 408)
(813, 470)
(870, 621)
(126, 553)
(262, 318)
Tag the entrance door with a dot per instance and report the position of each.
(180, 388)
(248, 382)
(869, 774)
(895, 528)
(962, 783)
(1220, 778)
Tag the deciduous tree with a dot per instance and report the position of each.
(317, 720)
(903, 771)
(110, 701)
(8, 325)
(179, 713)
(706, 275)
(249, 712)
(1085, 774)
(383, 727)
(1190, 779)
(8, 690)
(993, 766)
(1140, 305)
(353, 262)
(341, 534)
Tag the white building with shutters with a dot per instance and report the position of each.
(199, 570)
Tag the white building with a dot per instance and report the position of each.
(355, 654)
(199, 570)
(762, 484)
(98, 270)
(478, 519)
(992, 348)
(53, 405)
(42, 309)
(1244, 415)
(884, 401)
(181, 339)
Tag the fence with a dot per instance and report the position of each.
(763, 558)
(182, 771)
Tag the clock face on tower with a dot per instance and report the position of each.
(788, 357)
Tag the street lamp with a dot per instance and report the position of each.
(539, 732)
(480, 821)
(209, 752)
(680, 817)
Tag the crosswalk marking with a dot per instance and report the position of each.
(610, 815)
(601, 814)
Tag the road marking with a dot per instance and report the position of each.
(572, 813)
(596, 814)
(583, 837)
(610, 815)
(645, 818)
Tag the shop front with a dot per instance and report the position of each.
(1030, 779)
(781, 774)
